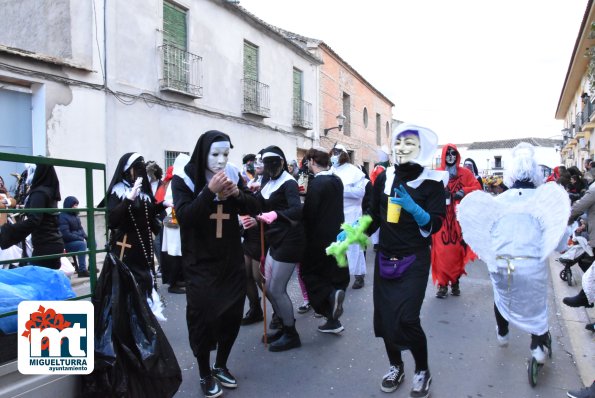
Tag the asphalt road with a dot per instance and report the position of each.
(464, 357)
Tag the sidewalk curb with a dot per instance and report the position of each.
(582, 342)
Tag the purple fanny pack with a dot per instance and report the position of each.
(393, 267)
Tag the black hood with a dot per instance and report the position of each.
(197, 166)
(45, 179)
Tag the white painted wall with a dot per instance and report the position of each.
(78, 122)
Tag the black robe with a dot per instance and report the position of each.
(213, 265)
(137, 220)
(397, 302)
(323, 216)
(43, 227)
(285, 235)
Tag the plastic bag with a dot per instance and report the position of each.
(132, 355)
(29, 283)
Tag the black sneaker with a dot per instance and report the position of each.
(336, 299)
(302, 309)
(393, 379)
(587, 392)
(84, 274)
(225, 378)
(331, 326)
(455, 290)
(421, 384)
(359, 282)
(210, 387)
(442, 291)
(175, 289)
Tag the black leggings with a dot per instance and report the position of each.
(502, 323)
(419, 353)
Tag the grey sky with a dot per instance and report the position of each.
(472, 70)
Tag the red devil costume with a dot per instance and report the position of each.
(450, 253)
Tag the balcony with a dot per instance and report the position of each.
(256, 98)
(181, 71)
(302, 114)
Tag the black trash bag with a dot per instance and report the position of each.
(132, 355)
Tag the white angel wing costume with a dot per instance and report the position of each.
(514, 233)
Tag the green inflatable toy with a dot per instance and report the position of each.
(355, 234)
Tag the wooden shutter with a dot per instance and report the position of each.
(250, 61)
(297, 84)
(174, 26)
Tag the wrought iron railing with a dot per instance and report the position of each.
(182, 71)
(256, 98)
(302, 113)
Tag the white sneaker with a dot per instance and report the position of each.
(539, 354)
(503, 340)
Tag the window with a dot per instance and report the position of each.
(497, 162)
(347, 114)
(378, 130)
(181, 69)
(387, 130)
(438, 162)
(302, 110)
(170, 157)
(365, 117)
(256, 94)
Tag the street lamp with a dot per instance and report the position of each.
(340, 121)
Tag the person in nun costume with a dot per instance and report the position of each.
(284, 233)
(524, 226)
(43, 227)
(402, 263)
(209, 195)
(132, 220)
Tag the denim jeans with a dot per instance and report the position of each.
(78, 246)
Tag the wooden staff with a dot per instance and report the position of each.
(264, 289)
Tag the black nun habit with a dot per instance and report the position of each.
(212, 253)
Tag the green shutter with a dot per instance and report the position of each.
(297, 84)
(250, 62)
(174, 26)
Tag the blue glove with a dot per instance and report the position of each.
(341, 236)
(420, 216)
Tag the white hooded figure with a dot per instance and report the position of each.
(524, 226)
(354, 188)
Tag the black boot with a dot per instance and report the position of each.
(580, 300)
(275, 322)
(253, 315)
(290, 339)
(273, 336)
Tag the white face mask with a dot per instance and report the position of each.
(407, 148)
(218, 155)
(335, 160)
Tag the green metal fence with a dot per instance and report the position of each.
(90, 210)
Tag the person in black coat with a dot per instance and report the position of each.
(209, 196)
(43, 227)
(73, 234)
(323, 215)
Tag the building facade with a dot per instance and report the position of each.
(368, 113)
(576, 106)
(94, 80)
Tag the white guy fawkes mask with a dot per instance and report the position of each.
(407, 148)
(218, 155)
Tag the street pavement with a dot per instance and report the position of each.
(465, 359)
